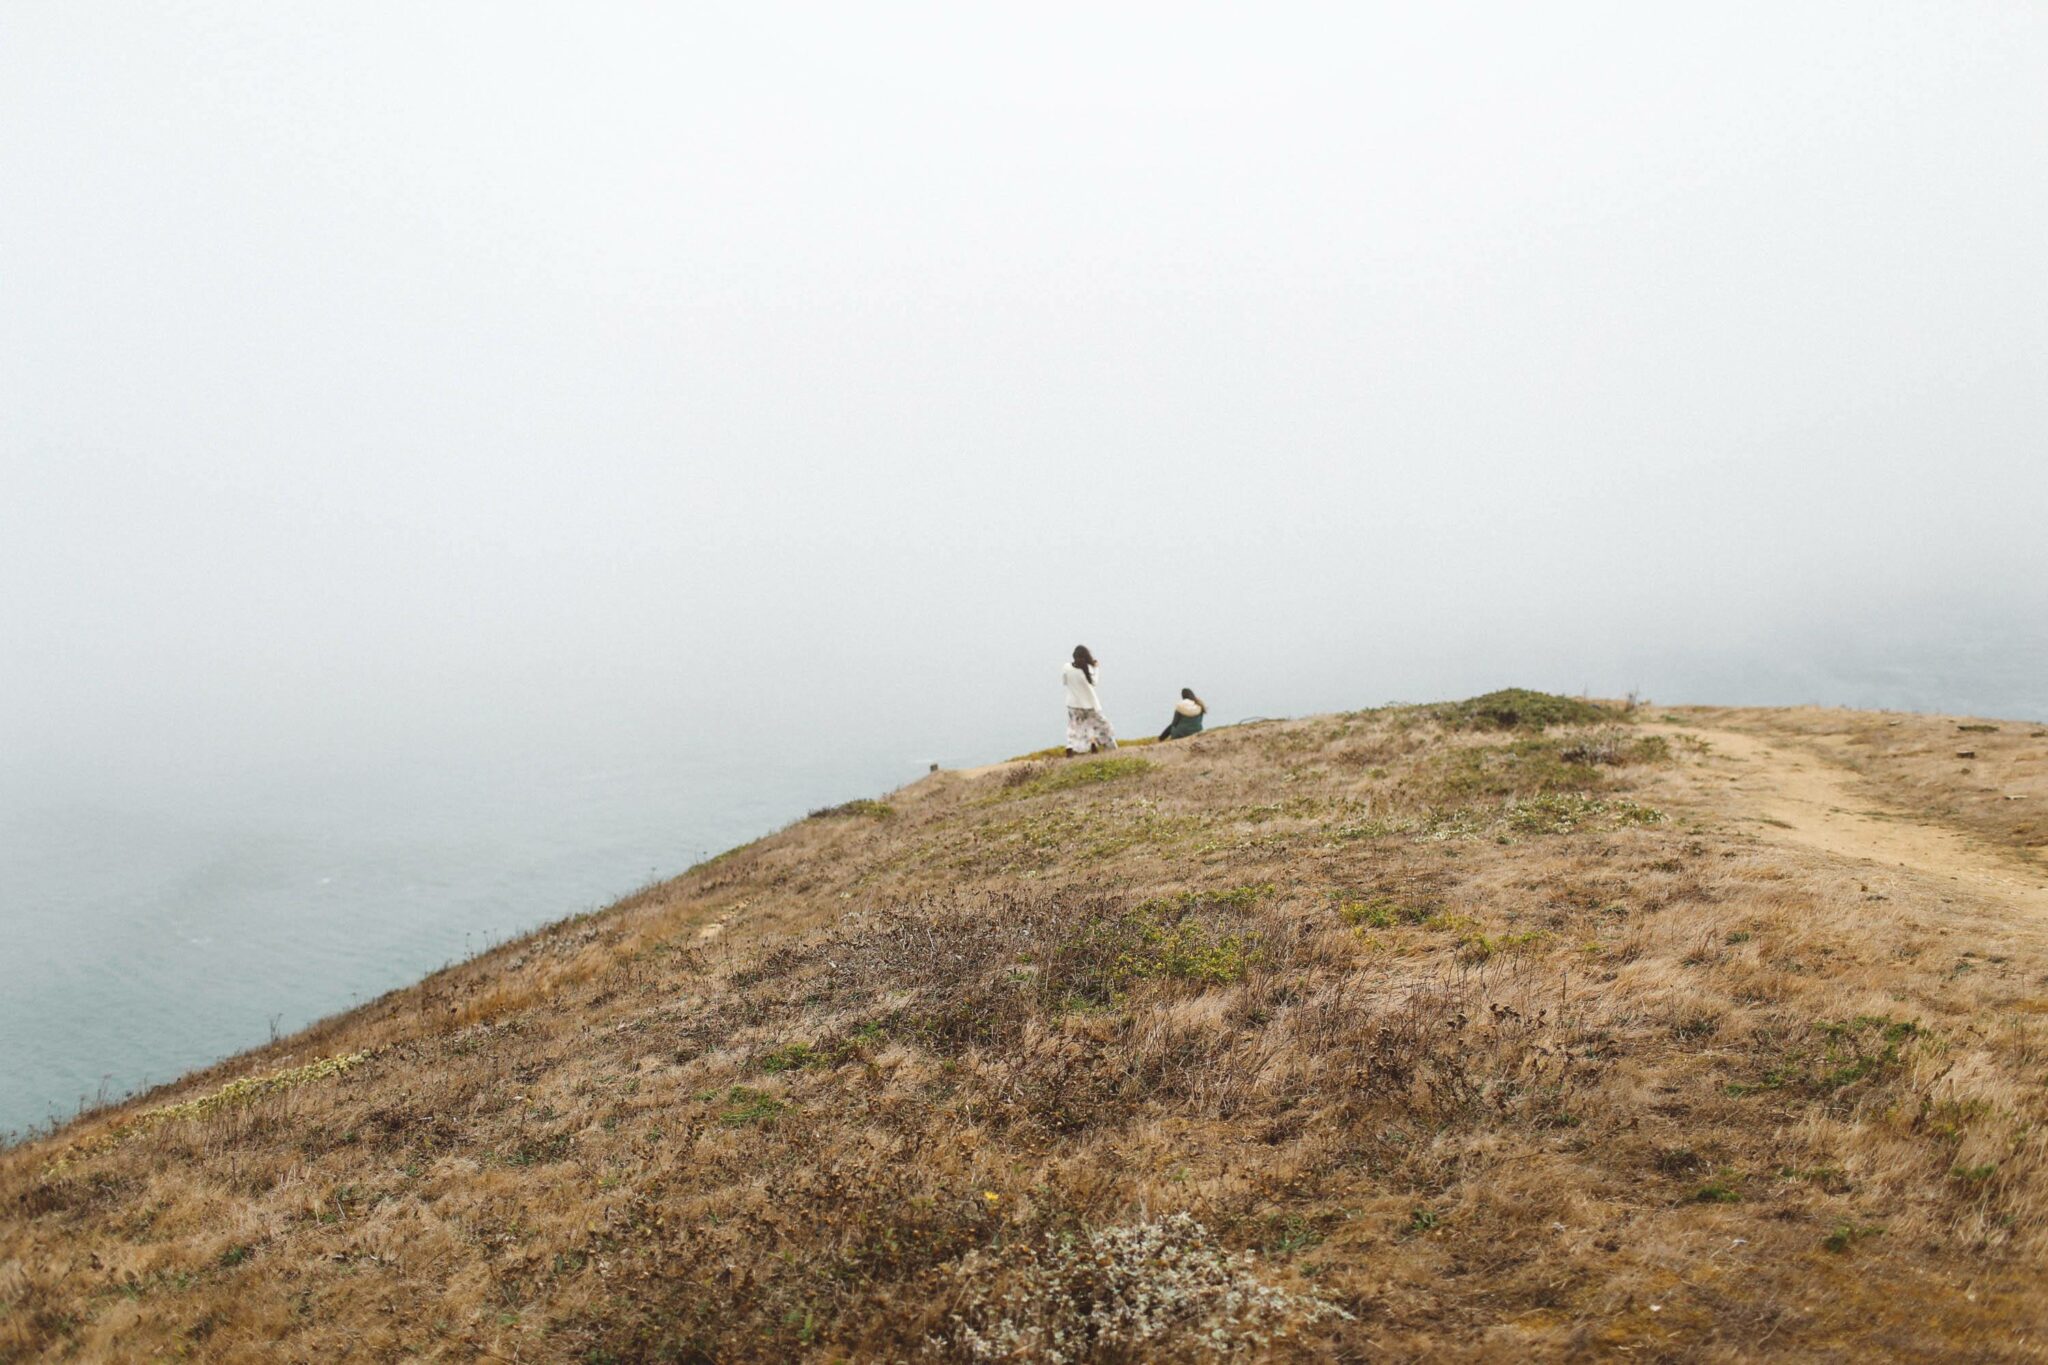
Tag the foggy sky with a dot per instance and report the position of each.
(384, 375)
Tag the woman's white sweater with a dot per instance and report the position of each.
(1080, 692)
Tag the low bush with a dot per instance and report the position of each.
(1518, 708)
(1381, 912)
(1614, 749)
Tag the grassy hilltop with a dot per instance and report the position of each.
(1510, 1029)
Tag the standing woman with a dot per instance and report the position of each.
(1086, 727)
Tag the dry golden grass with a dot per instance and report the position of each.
(1328, 1039)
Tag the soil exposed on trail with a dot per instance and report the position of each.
(1798, 796)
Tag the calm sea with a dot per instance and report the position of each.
(144, 937)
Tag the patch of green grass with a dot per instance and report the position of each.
(1296, 808)
(537, 1151)
(1947, 1119)
(1234, 898)
(1368, 829)
(1476, 945)
(1063, 834)
(1456, 822)
(865, 806)
(715, 859)
(794, 1057)
(1188, 952)
(1847, 1235)
(1081, 773)
(1867, 1048)
(1525, 767)
(1534, 765)
(1162, 940)
(1567, 812)
(1861, 1048)
(1720, 1190)
(1059, 751)
(1519, 708)
(1291, 1233)
(1381, 912)
(745, 1107)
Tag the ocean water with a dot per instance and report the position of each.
(148, 936)
(150, 928)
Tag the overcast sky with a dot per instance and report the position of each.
(373, 374)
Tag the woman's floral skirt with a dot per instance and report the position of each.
(1087, 727)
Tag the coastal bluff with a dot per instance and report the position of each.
(1520, 1028)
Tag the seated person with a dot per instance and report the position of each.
(1187, 716)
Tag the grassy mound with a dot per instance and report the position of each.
(866, 807)
(1067, 775)
(1518, 708)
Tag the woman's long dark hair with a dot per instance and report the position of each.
(1189, 693)
(1085, 661)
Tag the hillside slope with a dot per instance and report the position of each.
(1509, 1031)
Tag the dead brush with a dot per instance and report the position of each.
(1025, 774)
(1158, 1288)
(1614, 749)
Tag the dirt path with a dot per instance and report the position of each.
(1801, 798)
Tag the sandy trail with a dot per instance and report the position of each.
(1801, 798)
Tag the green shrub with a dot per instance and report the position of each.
(1847, 1235)
(1188, 951)
(1176, 939)
(1518, 708)
(1380, 912)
